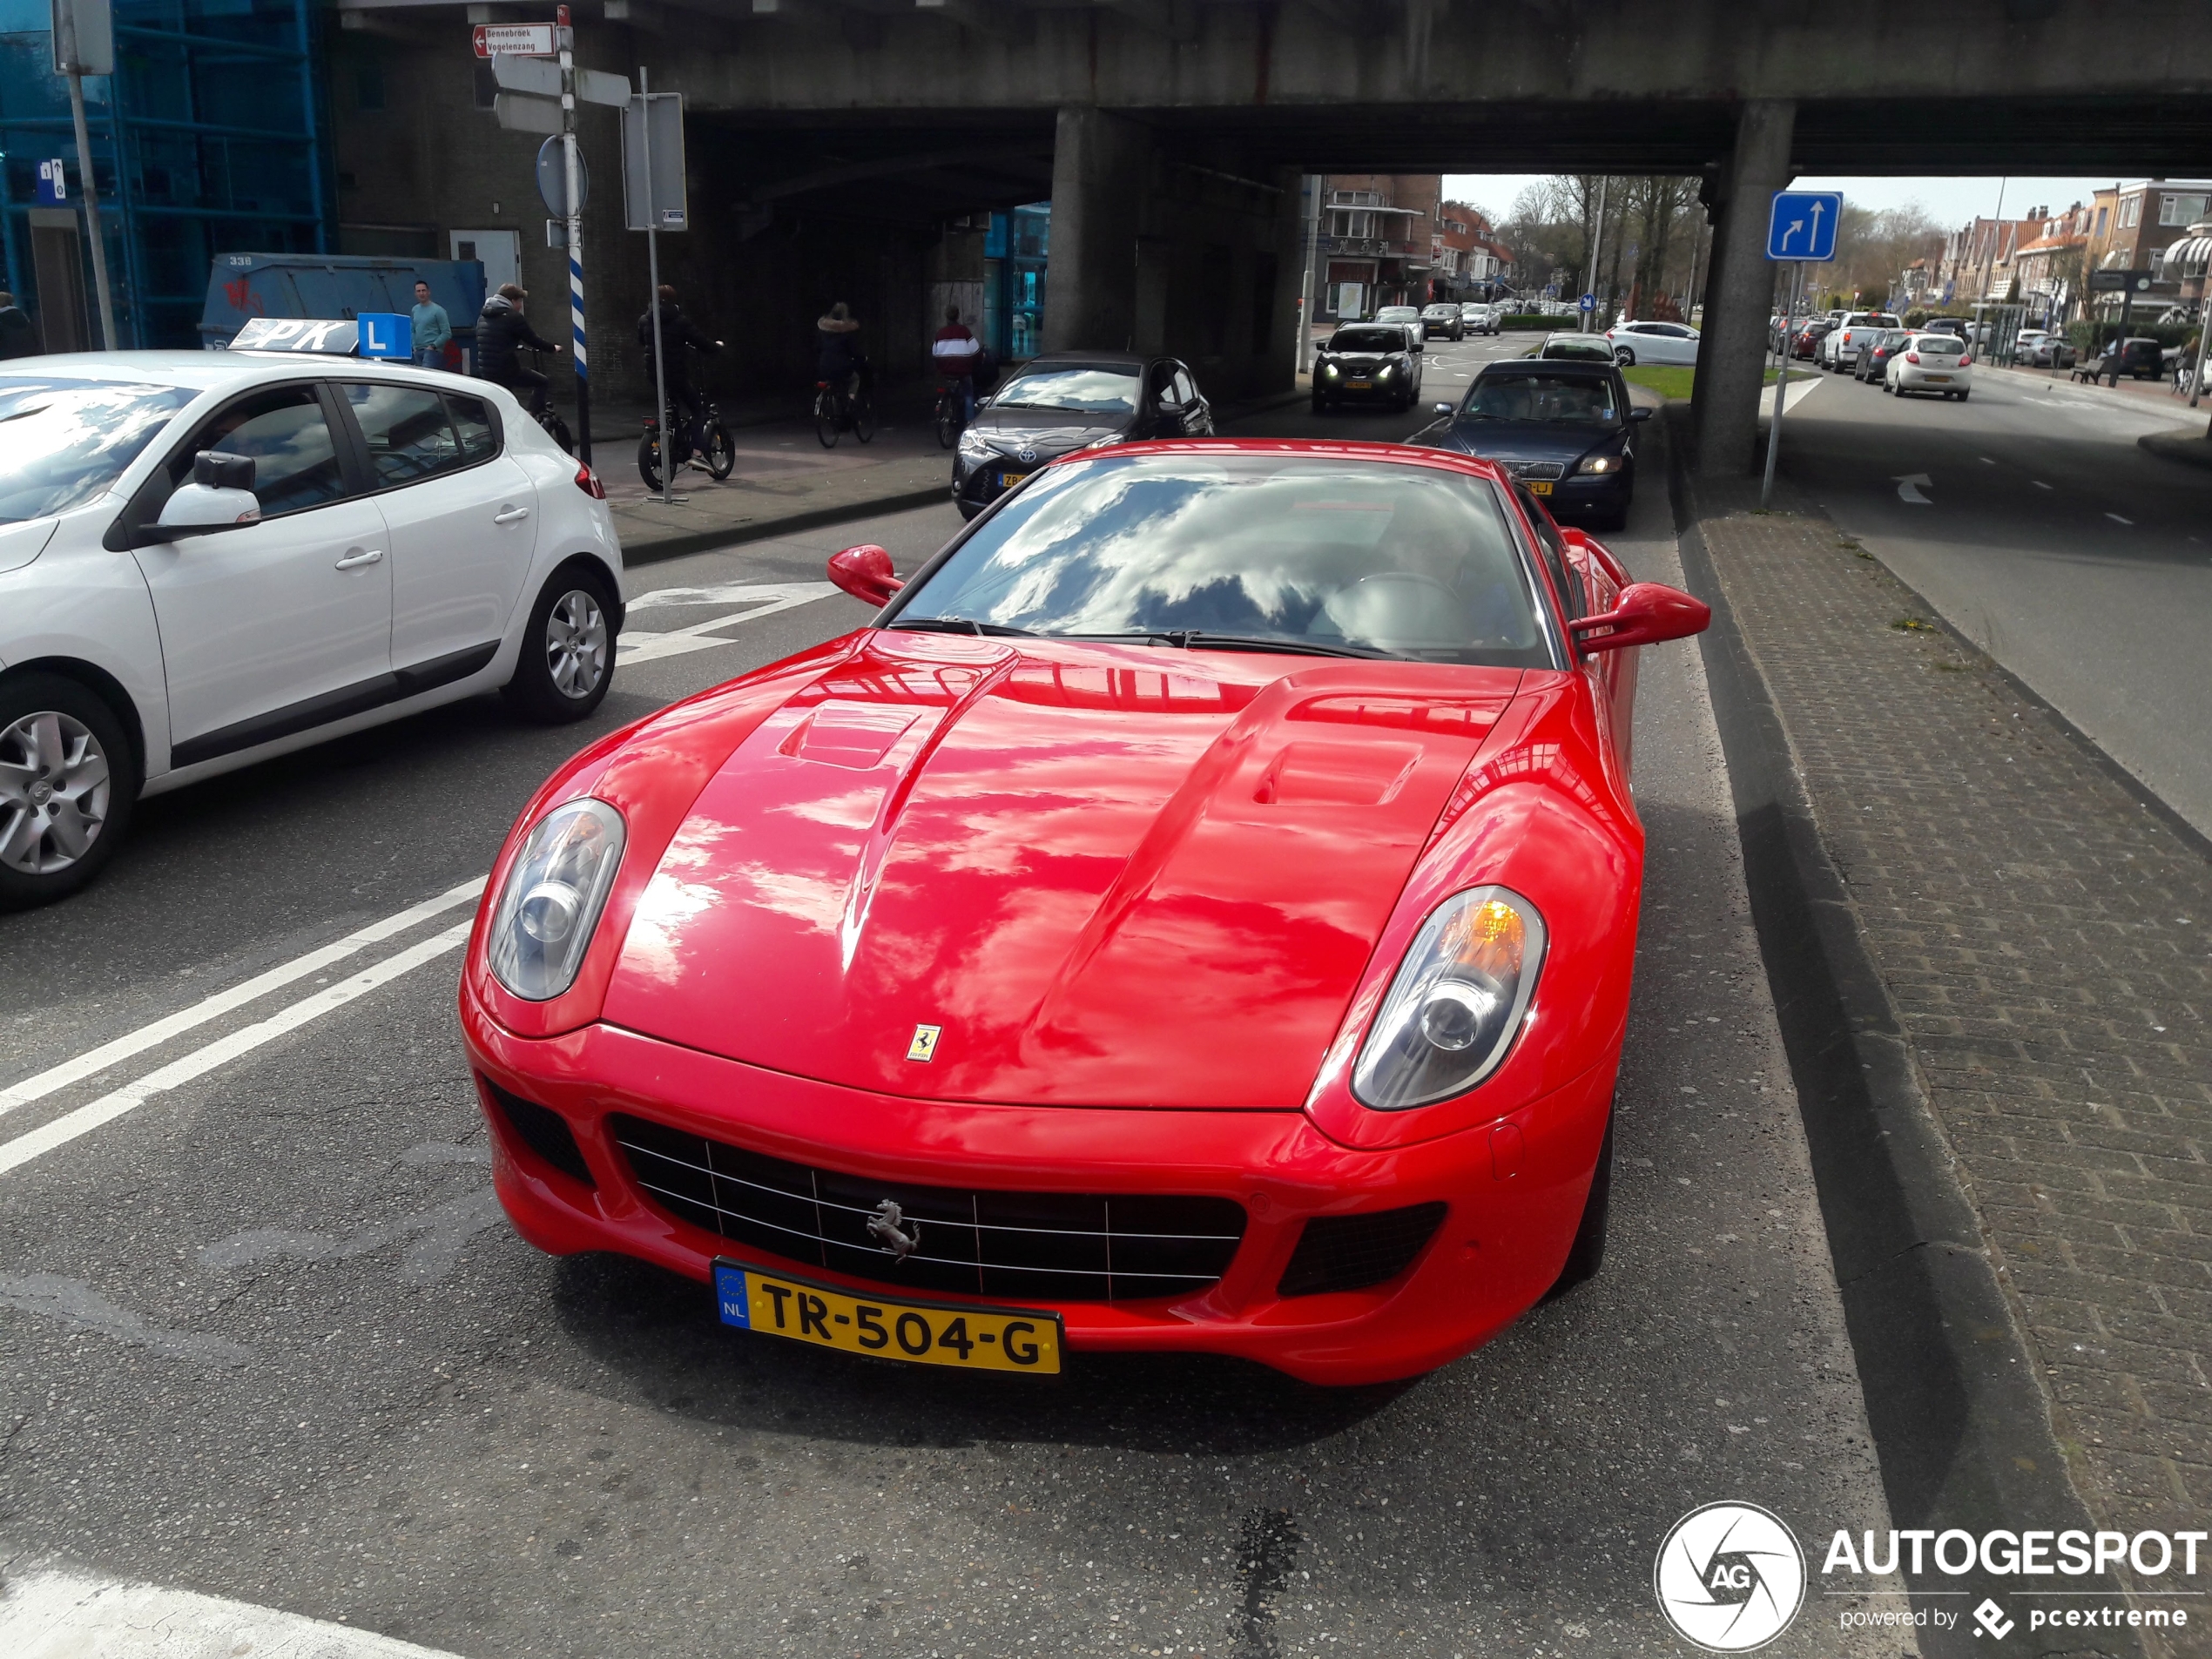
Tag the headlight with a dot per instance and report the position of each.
(1600, 463)
(553, 897)
(973, 447)
(1106, 442)
(1329, 369)
(1456, 1004)
(1383, 374)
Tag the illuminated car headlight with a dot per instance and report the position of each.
(972, 446)
(1602, 463)
(1457, 1001)
(1384, 372)
(553, 897)
(1329, 369)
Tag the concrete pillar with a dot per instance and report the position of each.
(1732, 354)
(1100, 164)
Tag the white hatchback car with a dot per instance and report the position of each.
(209, 559)
(1937, 363)
(1653, 343)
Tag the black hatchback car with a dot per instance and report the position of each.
(1563, 427)
(1368, 362)
(1052, 406)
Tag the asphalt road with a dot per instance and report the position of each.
(2032, 522)
(263, 1333)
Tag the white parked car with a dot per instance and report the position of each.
(1941, 364)
(209, 559)
(1840, 346)
(1653, 343)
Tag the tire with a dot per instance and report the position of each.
(1587, 1254)
(1320, 405)
(825, 420)
(863, 420)
(1622, 357)
(59, 742)
(721, 453)
(557, 430)
(649, 459)
(568, 656)
(1963, 396)
(947, 425)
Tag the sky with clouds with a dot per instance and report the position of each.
(1949, 201)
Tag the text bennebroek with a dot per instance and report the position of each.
(1197, 914)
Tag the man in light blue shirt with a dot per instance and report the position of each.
(432, 329)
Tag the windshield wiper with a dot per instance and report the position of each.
(1198, 639)
(958, 625)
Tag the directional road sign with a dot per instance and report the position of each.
(553, 179)
(1802, 225)
(53, 184)
(1588, 302)
(515, 39)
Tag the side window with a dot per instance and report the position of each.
(1565, 576)
(472, 419)
(408, 435)
(293, 450)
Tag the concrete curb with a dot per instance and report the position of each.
(1960, 1421)
(2186, 445)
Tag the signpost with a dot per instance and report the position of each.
(53, 183)
(1800, 231)
(653, 201)
(84, 44)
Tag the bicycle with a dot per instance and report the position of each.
(707, 436)
(951, 414)
(837, 412)
(542, 411)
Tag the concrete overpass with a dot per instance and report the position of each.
(1166, 130)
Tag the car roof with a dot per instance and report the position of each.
(1135, 360)
(1590, 366)
(208, 371)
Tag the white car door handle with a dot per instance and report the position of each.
(360, 555)
(510, 516)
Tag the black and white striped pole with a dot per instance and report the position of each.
(573, 160)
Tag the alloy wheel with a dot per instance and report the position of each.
(575, 643)
(54, 793)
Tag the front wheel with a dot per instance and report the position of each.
(1963, 396)
(825, 423)
(568, 655)
(1587, 1254)
(67, 784)
(649, 459)
(721, 452)
(864, 419)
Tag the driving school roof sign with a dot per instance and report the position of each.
(373, 334)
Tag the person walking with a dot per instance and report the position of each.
(500, 332)
(18, 337)
(956, 351)
(679, 338)
(432, 329)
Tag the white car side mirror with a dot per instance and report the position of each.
(219, 497)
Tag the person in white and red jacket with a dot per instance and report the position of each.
(955, 352)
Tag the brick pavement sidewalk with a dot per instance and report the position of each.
(2043, 935)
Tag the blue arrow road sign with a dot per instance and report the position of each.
(53, 184)
(1802, 225)
(1589, 302)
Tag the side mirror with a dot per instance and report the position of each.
(1646, 613)
(219, 497)
(1639, 414)
(1443, 409)
(865, 572)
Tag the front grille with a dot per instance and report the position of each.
(1351, 1252)
(1537, 468)
(1047, 1246)
(544, 1131)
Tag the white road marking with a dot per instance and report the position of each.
(53, 1614)
(1986, 461)
(210, 1008)
(2116, 519)
(1910, 486)
(69, 1125)
(2039, 483)
(766, 598)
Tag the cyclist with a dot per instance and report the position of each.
(678, 333)
(955, 352)
(840, 362)
(501, 331)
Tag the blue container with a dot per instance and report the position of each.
(337, 287)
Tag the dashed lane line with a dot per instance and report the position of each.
(93, 1061)
(70, 1125)
(766, 600)
(2116, 519)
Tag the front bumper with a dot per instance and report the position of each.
(976, 484)
(1394, 390)
(1514, 1191)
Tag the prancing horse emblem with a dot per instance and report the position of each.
(884, 1228)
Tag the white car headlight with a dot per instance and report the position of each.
(972, 446)
(1600, 463)
(1383, 374)
(1329, 369)
(1457, 1001)
(555, 892)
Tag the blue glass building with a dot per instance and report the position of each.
(211, 136)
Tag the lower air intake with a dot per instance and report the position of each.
(543, 1130)
(1351, 1252)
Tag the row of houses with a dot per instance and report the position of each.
(2157, 226)
(1390, 239)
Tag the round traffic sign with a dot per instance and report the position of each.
(553, 177)
(1589, 302)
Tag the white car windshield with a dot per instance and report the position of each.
(1294, 553)
(1084, 389)
(63, 442)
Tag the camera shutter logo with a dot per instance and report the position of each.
(1729, 1577)
(1991, 1619)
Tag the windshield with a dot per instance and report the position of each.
(1296, 553)
(1584, 398)
(1938, 343)
(1366, 340)
(1595, 350)
(1401, 313)
(1085, 388)
(65, 442)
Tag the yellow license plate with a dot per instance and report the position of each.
(1934, 379)
(922, 1333)
(1008, 480)
(1359, 385)
(1540, 486)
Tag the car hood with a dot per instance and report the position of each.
(1523, 440)
(1076, 864)
(1047, 432)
